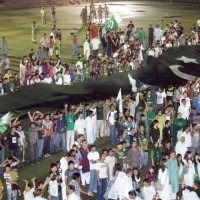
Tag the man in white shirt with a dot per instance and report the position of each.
(45, 44)
(95, 46)
(79, 126)
(188, 104)
(198, 22)
(160, 99)
(111, 119)
(59, 80)
(47, 79)
(43, 15)
(148, 191)
(64, 167)
(86, 49)
(181, 146)
(8, 180)
(110, 160)
(102, 174)
(187, 134)
(21, 143)
(184, 109)
(93, 156)
(79, 63)
(126, 46)
(71, 193)
(132, 196)
(157, 33)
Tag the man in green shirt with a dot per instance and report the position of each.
(162, 27)
(156, 156)
(178, 124)
(142, 37)
(70, 118)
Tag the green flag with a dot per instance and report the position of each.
(111, 24)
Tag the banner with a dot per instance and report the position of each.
(111, 24)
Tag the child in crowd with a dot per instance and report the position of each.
(28, 192)
(15, 179)
(151, 175)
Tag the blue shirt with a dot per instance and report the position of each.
(61, 124)
(196, 104)
(192, 116)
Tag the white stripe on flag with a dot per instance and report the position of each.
(119, 99)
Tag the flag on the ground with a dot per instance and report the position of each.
(157, 73)
(119, 101)
(111, 24)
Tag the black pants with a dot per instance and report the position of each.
(47, 141)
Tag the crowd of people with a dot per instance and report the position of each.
(153, 150)
(104, 53)
(157, 130)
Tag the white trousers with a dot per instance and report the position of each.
(85, 178)
(70, 139)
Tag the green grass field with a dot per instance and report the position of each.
(16, 26)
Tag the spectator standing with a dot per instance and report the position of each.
(61, 126)
(13, 139)
(4, 46)
(74, 44)
(95, 46)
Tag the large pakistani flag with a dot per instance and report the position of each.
(111, 24)
(175, 66)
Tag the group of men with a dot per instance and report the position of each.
(95, 15)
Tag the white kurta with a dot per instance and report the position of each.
(157, 34)
(86, 49)
(189, 176)
(80, 126)
(148, 192)
(110, 160)
(89, 126)
(163, 177)
(94, 119)
(64, 167)
(121, 186)
(190, 195)
(181, 148)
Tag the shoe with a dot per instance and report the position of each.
(46, 155)
(37, 162)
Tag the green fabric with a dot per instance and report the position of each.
(12, 85)
(198, 192)
(122, 156)
(178, 124)
(50, 97)
(197, 177)
(156, 155)
(111, 24)
(81, 77)
(150, 117)
(162, 26)
(70, 122)
(149, 99)
(173, 169)
(142, 34)
(104, 72)
(143, 141)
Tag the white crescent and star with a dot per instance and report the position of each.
(187, 60)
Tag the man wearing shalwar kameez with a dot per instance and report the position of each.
(173, 174)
